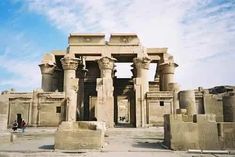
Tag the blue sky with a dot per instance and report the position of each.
(200, 34)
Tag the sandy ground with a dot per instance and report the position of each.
(120, 142)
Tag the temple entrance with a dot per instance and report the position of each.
(123, 107)
(19, 119)
(124, 103)
(90, 100)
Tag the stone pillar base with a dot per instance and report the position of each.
(80, 135)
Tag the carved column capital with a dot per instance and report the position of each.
(142, 63)
(69, 62)
(47, 68)
(106, 63)
(167, 68)
(106, 66)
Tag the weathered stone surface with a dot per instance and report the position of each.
(70, 64)
(37, 108)
(213, 105)
(79, 135)
(207, 132)
(180, 135)
(5, 136)
(226, 133)
(181, 132)
(229, 108)
(187, 101)
(167, 71)
(124, 39)
(80, 39)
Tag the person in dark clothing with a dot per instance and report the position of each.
(23, 125)
(14, 125)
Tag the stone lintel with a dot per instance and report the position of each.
(87, 34)
(124, 39)
(159, 95)
(58, 52)
(80, 39)
(156, 50)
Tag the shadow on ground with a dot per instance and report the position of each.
(51, 147)
(153, 145)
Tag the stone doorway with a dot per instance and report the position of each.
(19, 119)
(123, 110)
(124, 103)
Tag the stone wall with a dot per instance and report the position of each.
(36, 108)
(181, 132)
(5, 136)
(52, 109)
(158, 104)
(213, 105)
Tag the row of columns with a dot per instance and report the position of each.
(105, 101)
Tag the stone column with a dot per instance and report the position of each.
(174, 87)
(188, 102)
(47, 71)
(70, 64)
(35, 107)
(167, 71)
(81, 74)
(105, 101)
(141, 87)
(229, 108)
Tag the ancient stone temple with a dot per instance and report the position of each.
(85, 72)
(82, 95)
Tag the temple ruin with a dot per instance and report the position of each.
(80, 91)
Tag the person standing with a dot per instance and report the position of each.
(23, 125)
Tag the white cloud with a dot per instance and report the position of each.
(198, 33)
(19, 58)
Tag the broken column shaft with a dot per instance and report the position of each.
(47, 71)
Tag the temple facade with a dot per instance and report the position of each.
(82, 95)
(88, 68)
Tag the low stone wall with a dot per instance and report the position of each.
(183, 132)
(80, 135)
